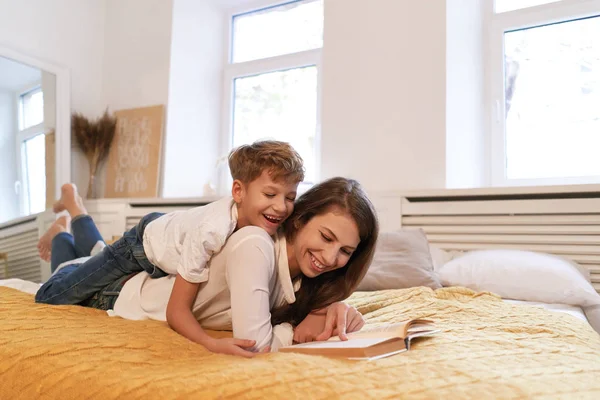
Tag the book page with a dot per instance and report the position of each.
(354, 343)
(420, 328)
(385, 331)
(398, 329)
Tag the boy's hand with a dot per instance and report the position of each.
(234, 347)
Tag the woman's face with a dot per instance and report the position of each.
(325, 243)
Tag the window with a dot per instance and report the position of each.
(274, 31)
(272, 82)
(31, 151)
(31, 108)
(34, 162)
(546, 89)
(501, 6)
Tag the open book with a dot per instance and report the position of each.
(369, 343)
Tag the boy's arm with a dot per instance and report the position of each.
(181, 319)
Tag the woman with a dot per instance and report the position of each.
(263, 287)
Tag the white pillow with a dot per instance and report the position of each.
(441, 257)
(520, 275)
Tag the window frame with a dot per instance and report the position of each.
(233, 71)
(22, 136)
(34, 88)
(499, 23)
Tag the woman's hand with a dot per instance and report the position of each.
(311, 327)
(337, 319)
(341, 318)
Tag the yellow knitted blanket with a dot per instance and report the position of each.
(487, 350)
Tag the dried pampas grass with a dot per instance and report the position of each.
(94, 139)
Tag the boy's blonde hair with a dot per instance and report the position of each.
(248, 161)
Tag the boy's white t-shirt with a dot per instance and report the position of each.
(247, 279)
(182, 242)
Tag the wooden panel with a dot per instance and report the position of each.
(469, 220)
(50, 168)
(518, 239)
(134, 159)
(130, 222)
(502, 207)
(139, 212)
(594, 269)
(513, 229)
(560, 250)
(20, 248)
(585, 259)
(135, 212)
(21, 240)
(3, 265)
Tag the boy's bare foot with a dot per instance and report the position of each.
(70, 200)
(45, 243)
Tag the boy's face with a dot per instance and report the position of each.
(264, 202)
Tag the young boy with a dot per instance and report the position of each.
(266, 176)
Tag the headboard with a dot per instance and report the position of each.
(549, 220)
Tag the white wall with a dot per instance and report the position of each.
(384, 83)
(117, 51)
(465, 136)
(69, 33)
(137, 43)
(195, 90)
(9, 203)
(65, 32)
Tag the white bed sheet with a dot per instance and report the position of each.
(575, 311)
(20, 284)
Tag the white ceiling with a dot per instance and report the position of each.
(16, 76)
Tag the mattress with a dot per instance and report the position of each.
(486, 348)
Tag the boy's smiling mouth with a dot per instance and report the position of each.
(273, 219)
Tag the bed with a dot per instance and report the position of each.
(487, 349)
(529, 337)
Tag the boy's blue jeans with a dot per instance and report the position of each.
(74, 284)
(67, 247)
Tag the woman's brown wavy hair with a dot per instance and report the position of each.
(330, 287)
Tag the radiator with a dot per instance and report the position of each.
(565, 226)
(19, 242)
(136, 211)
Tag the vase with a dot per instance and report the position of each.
(91, 192)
